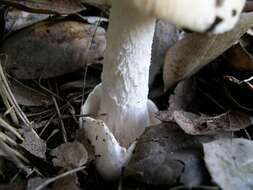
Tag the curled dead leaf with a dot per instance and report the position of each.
(203, 125)
(47, 6)
(52, 48)
(230, 163)
(16, 19)
(27, 96)
(195, 51)
(165, 155)
(239, 59)
(70, 155)
(33, 144)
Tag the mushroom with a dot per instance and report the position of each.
(121, 101)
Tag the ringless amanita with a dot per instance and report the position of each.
(123, 94)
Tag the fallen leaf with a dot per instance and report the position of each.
(33, 144)
(67, 183)
(52, 48)
(183, 98)
(239, 59)
(16, 19)
(204, 125)
(165, 36)
(47, 6)
(70, 155)
(195, 51)
(27, 96)
(13, 187)
(165, 155)
(35, 182)
(230, 163)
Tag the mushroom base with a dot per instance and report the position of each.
(111, 155)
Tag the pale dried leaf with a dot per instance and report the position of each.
(166, 155)
(70, 155)
(27, 96)
(203, 125)
(67, 183)
(240, 59)
(35, 182)
(33, 144)
(230, 162)
(195, 51)
(165, 36)
(52, 48)
(16, 19)
(47, 6)
(183, 98)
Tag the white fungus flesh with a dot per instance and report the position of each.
(120, 104)
(121, 100)
(215, 16)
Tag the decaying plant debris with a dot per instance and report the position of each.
(51, 58)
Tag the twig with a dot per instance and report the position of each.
(8, 127)
(47, 124)
(13, 102)
(7, 139)
(47, 182)
(12, 99)
(52, 134)
(64, 133)
(13, 154)
(8, 106)
(86, 67)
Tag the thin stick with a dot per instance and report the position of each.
(14, 103)
(47, 182)
(47, 124)
(64, 133)
(8, 127)
(7, 105)
(12, 99)
(7, 139)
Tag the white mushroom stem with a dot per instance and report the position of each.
(126, 72)
(123, 94)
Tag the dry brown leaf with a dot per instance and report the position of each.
(27, 96)
(70, 155)
(240, 59)
(195, 51)
(35, 182)
(165, 155)
(67, 183)
(183, 98)
(52, 48)
(194, 124)
(47, 6)
(13, 187)
(230, 163)
(16, 19)
(165, 36)
(33, 144)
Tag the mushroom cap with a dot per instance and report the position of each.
(216, 16)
